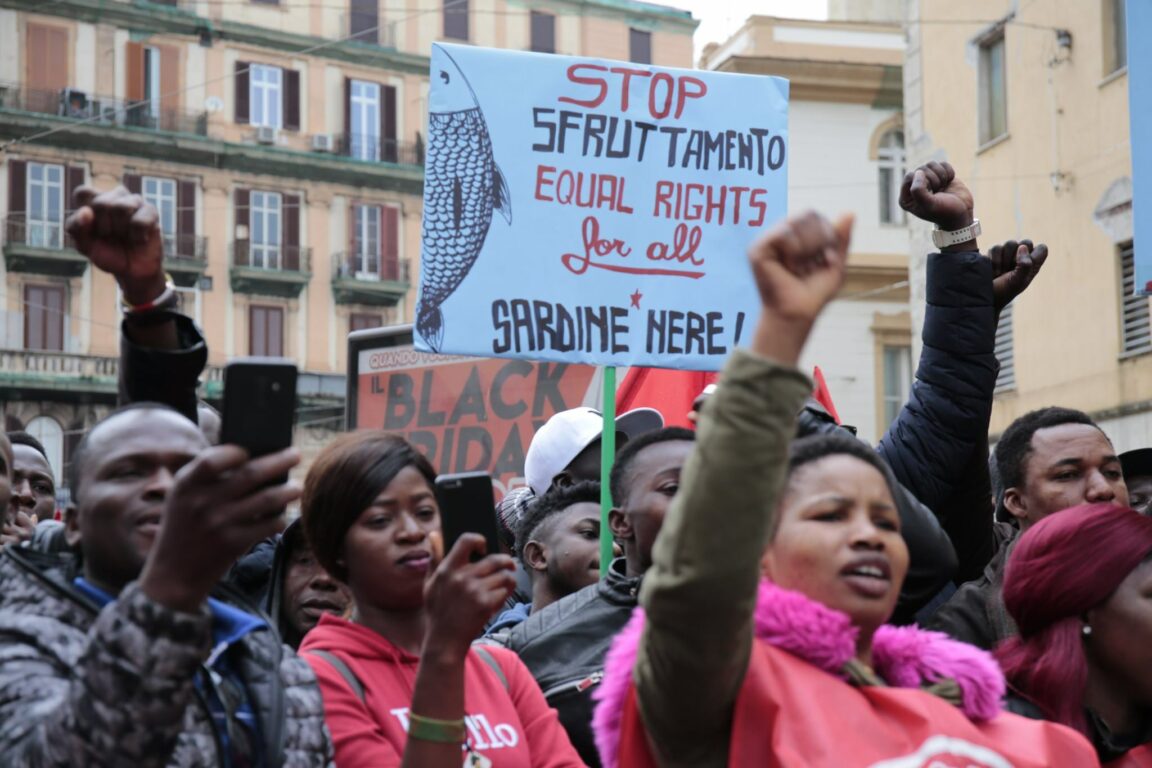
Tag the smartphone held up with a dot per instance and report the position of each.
(467, 505)
(259, 405)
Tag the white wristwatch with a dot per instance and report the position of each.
(943, 238)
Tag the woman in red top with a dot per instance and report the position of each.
(401, 685)
(1078, 584)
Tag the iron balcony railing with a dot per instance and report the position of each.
(359, 265)
(377, 150)
(20, 229)
(282, 258)
(75, 104)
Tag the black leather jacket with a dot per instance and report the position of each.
(564, 646)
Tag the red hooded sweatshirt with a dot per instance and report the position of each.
(512, 726)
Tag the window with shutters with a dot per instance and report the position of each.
(152, 81)
(543, 33)
(897, 379)
(1136, 337)
(890, 159)
(266, 331)
(45, 201)
(993, 90)
(265, 228)
(364, 114)
(364, 21)
(366, 241)
(362, 321)
(456, 19)
(265, 95)
(161, 193)
(639, 46)
(1115, 28)
(44, 313)
(1005, 353)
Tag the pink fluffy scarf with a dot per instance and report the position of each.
(905, 657)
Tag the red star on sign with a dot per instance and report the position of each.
(636, 298)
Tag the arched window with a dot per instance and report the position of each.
(51, 435)
(890, 158)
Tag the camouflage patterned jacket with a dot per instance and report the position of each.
(114, 688)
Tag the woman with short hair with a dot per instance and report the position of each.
(401, 684)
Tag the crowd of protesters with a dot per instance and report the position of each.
(781, 592)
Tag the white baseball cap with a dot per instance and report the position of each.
(566, 434)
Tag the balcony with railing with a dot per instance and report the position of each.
(74, 104)
(34, 373)
(185, 258)
(270, 270)
(374, 149)
(360, 277)
(40, 247)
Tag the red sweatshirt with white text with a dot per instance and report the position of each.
(512, 726)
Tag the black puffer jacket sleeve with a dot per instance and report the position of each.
(164, 376)
(930, 445)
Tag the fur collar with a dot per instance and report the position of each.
(905, 657)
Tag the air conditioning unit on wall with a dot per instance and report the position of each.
(321, 142)
(266, 134)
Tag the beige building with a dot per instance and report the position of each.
(281, 141)
(1029, 100)
(846, 153)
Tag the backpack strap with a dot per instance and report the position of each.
(338, 664)
(488, 659)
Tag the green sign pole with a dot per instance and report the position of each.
(607, 456)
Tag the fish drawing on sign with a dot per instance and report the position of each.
(462, 187)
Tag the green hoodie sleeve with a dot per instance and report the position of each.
(700, 594)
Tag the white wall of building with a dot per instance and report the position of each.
(829, 169)
(843, 345)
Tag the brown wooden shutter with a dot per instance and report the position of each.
(243, 219)
(290, 236)
(186, 219)
(134, 69)
(348, 116)
(390, 242)
(46, 58)
(388, 124)
(133, 183)
(242, 92)
(75, 179)
(266, 331)
(169, 83)
(44, 317)
(17, 187)
(291, 100)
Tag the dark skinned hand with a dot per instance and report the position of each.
(933, 193)
(461, 596)
(120, 234)
(1014, 267)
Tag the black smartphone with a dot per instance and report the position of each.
(259, 405)
(467, 505)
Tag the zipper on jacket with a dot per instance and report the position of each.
(577, 686)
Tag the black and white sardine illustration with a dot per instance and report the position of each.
(462, 186)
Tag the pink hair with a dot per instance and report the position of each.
(1065, 565)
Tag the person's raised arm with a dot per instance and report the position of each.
(161, 351)
(947, 414)
(700, 594)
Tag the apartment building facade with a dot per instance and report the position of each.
(1029, 101)
(282, 143)
(846, 153)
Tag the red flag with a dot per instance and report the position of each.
(822, 395)
(668, 391)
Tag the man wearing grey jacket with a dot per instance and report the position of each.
(120, 657)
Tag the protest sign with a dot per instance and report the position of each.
(1139, 20)
(584, 210)
(465, 414)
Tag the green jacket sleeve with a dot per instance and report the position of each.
(700, 594)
